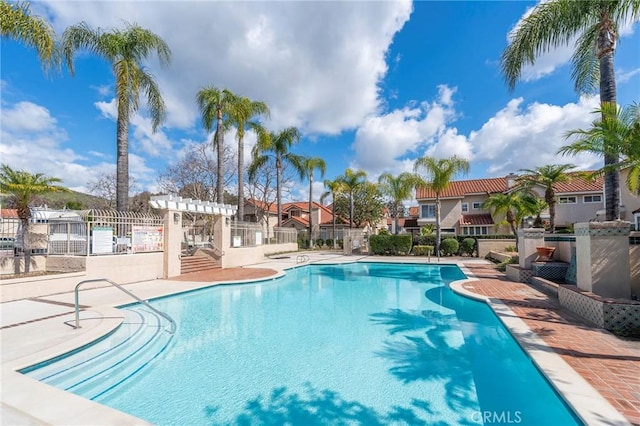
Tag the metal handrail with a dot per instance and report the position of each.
(302, 258)
(119, 287)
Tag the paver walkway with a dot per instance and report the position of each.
(609, 363)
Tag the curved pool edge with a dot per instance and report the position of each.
(585, 401)
(27, 401)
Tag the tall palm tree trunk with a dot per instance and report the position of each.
(549, 198)
(122, 158)
(437, 224)
(278, 195)
(310, 210)
(26, 247)
(240, 179)
(606, 46)
(350, 210)
(333, 218)
(220, 148)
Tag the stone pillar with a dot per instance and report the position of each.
(528, 240)
(172, 243)
(222, 236)
(602, 257)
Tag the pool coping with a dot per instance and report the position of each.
(585, 401)
(28, 401)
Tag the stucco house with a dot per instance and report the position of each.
(578, 200)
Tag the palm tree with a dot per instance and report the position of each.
(350, 181)
(277, 145)
(334, 187)
(619, 131)
(216, 104)
(18, 23)
(398, 189)
(24, 186)
(310, 164)
(439, 173)
(514, 207)
(547, 176)
(241, 117)
(125, 50)
(595, 25)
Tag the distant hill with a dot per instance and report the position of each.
(57, 200)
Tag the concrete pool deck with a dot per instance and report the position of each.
(604, 380)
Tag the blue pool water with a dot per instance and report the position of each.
(363, 343)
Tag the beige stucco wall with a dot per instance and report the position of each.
(485, 246)
(126, 268)
(568, 214)
(12, 265)
(627, 199)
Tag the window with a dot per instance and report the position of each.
(465, 207)
(295, 213)
(475, 230)
(477, 205)
(567, 200)
(427, 211)
(592, 199)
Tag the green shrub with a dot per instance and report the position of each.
(425, 240)
(510, 248)
(423, 250)
(449, 246)
(303, 243)
(383, 231)
(329, 242)
(467, 246)
(390, 244)
(319, 242)
(341, 243)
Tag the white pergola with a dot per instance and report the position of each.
(175, 203)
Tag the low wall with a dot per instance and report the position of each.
(242, 256)
(610, 314)
(485, 246)
(634, 263)
(123, 269)
(10, 265)
(562, 244)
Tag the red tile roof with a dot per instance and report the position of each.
(261, 205)
(9, 213)
(476, 219)
(579, 184)
(301, 220)
(460, 188)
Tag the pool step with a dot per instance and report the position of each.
(99, 368)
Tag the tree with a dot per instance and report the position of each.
(334, 187)
(241, 116)
(618, 130)
(439, 173)
(366, 203)
(513, 206)
(310, 164)
(277, 145)
(104, 188)
(18, 23)
(194, 175)
(125, 50)
(216, 104)
(547, 176)
(595, 25)
(23, 187)
(398, 189)
(350, 182)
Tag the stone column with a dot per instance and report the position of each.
(172, 243)
(528, 240)
(602, 257)
(222, 236)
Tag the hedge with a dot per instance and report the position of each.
(390, 244)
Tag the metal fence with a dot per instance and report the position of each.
(249, 234)
(84, 232)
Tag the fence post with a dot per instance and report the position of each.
(172, 243)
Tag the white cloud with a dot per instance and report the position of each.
(316, 64)
(383, 140)
(27, 117)
(517, 137)
(624, 76)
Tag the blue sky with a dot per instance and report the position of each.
(371, 85)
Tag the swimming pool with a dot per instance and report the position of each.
(367, 343)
